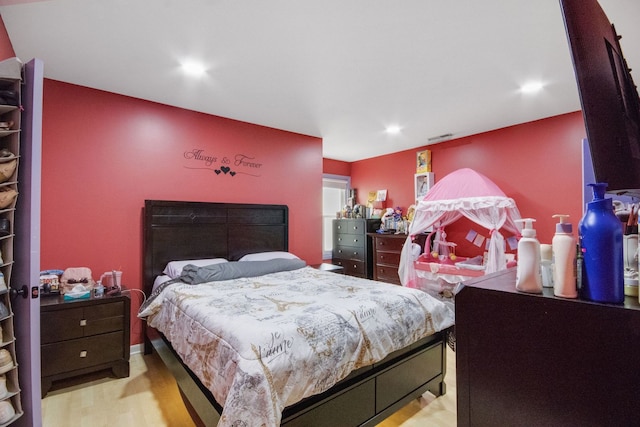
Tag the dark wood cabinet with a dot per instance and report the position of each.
(387, 249)
(352, 247)
(526, 359)
(386, 256)
(79, 337)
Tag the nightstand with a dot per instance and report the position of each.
(83, 336)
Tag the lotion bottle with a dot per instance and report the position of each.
(563, 246)
(601, 244)
(528, 273)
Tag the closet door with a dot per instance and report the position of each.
(27, 246)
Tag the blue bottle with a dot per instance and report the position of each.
(601, 244)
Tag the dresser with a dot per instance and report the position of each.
(535, 359)
(352, 248)
(386, 256)
(387, 249)
(79, 337)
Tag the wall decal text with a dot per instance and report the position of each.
(238, 164)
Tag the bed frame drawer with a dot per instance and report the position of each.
(340, 410)
(407, 377)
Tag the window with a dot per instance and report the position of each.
(335, 190)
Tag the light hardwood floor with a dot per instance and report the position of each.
(150, 397)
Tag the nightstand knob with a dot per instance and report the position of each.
(83, 322)
(83, 353)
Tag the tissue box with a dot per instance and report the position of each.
(77, 295)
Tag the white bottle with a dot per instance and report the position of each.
(564, 260)
(528, 275)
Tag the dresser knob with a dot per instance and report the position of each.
(83, 353)
(83, 322)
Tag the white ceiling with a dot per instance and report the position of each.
(341, 70)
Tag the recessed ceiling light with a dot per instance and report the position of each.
(531, 87)
(393, 129)
(194, 69)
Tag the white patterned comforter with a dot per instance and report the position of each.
(263, 343)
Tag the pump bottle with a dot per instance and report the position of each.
(528, 274)
(601, 244)
(563, 246)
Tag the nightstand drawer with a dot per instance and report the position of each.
(60, 325)
(82, 353)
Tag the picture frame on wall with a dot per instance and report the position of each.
(423, 161)
(422, 184)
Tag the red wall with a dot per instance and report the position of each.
(104, 154)
(336, 167)
(6, 48)
(538, 164)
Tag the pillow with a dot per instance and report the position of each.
(159, 281)
(174, 268)
(266, 256)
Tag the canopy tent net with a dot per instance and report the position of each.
(462, 193)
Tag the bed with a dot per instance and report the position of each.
(200, 230)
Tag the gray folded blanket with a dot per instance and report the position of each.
(194, 275)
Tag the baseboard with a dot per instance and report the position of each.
(136, 349)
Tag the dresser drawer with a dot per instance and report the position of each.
(352, 267)
(353, 240)
(349, 252)
(81, 353)
(387, 274)
(346, 226)
(393, 244)
(388, 258)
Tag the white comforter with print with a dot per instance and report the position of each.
(263, 343)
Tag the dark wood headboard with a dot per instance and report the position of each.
(176, 230)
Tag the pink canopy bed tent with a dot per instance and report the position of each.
(467, 193)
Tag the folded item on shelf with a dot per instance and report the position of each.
(11, 68)
(6, 411)
(6, 361)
